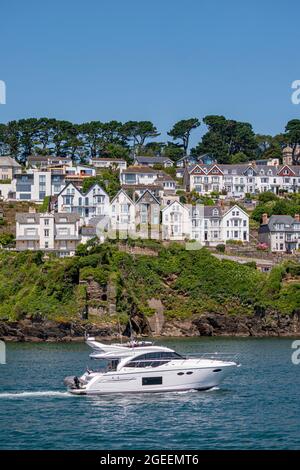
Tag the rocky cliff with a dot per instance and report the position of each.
(268, 324)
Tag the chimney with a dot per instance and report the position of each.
(297, 217)
(265, 219)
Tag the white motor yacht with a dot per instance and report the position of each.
(139, 366)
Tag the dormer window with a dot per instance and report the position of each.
(215, 212)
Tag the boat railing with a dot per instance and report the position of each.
(228, 357)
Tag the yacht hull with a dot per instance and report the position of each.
(157, 380)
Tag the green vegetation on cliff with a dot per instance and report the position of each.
(187, 282)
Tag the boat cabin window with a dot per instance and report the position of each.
(112, 365)
(153, 359)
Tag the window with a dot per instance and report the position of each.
(236, 234)
(23, 187)
(46, 221)
(152, 381)
(30, 232)
(68, 200)
(46, 244)
(153, 359)
(46, 232)
(124, 208)
(63, 231)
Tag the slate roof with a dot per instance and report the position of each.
(139, 169)
(154, 160)
(6, 160)
(287, 220)
(24, 217)
(239, 169)
(103, 159)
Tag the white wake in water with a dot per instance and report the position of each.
(25, 394)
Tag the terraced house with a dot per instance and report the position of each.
(57, 232)
(93, 203)
(122, 212)
(237, 180)
(281, 233)
(212, 225)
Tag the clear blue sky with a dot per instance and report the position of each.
(159, 60)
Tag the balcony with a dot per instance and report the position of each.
(67, 237)
(27, 237)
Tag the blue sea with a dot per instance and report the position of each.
(257, 407)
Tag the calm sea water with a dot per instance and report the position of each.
(258, 407)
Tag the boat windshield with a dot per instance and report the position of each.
(154, 359)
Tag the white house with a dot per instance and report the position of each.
(90, 204)
(122, 213)
(33, 186)
(138, 175)
(281, 233)
(8, 167)
(211, 225)
(49, 232)
(44, 161)
(237, 180)
(176, 222)
(235, 225)
(109, 163)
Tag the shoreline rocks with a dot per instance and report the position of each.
(270, 324)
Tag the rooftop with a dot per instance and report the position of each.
(154, 160)
(140, 169)
(6, 160)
